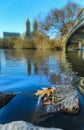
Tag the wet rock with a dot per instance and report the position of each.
(22, 125)
(78, 82)
(65, 100)
(5, 98)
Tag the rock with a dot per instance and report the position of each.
(78, 82)
(65, 100)
(22, 125)
(5, 98)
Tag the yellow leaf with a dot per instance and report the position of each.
(45, 91)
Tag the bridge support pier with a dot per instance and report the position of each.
(80, 45)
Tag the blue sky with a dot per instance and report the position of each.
(13, 13)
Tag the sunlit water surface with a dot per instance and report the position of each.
(24, 71)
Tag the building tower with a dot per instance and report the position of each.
(27, 33)
(35, 26)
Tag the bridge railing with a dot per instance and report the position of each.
(78, 19)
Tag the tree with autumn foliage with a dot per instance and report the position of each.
(60, 20)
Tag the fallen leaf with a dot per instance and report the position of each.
(45, 91)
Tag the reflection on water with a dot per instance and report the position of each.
(45, 64)
(25, 71)
(77, 61)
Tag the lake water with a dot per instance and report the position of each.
(24, 71)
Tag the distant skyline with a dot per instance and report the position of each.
(13, 13)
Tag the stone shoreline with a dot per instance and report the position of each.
(22, 125)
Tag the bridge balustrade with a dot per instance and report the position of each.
(78, 20)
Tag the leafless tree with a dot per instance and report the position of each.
(60, 20)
